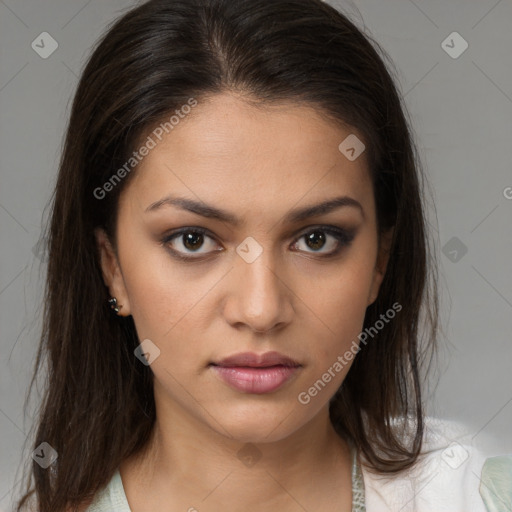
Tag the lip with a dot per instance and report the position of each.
(256, 373)
(253, 360)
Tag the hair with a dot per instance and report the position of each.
(98, 406)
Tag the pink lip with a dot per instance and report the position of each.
(253, 373)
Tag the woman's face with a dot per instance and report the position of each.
(262, 275)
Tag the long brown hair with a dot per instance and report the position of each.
(98, 406)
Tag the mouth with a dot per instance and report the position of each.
(252, 373)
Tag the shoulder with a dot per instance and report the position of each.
(496, 483)
(445, 478)
(82, 508)
(111, 497)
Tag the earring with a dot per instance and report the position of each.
(113, 304)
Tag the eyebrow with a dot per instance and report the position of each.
(294, 216)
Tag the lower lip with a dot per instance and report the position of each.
(255, 380)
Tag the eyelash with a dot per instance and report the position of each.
(344, 238)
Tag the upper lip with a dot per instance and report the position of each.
(251, 359)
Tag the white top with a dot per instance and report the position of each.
(111, 498)
(447, 480)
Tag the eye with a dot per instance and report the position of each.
(328, 237)
(187, 242)
(188, 239)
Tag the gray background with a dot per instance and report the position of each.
(461, 110)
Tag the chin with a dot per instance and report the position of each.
(258, 425)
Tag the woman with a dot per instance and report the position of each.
(238, 261)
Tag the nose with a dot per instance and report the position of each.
(259, 298)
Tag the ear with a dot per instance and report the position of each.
(112, 276)
(381, 264)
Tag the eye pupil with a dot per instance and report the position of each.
(315, 237)
(194, 239)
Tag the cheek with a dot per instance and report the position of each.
(172, 305)
(337, 304)
(342, 314)
(160, 295)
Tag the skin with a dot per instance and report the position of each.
(257, 163)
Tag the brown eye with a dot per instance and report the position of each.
(315, 240)
(186, 244)
(189, 241)
(332, 238)
(192, 240)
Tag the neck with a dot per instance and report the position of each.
(186, 457)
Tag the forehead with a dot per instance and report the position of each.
(226, 148)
